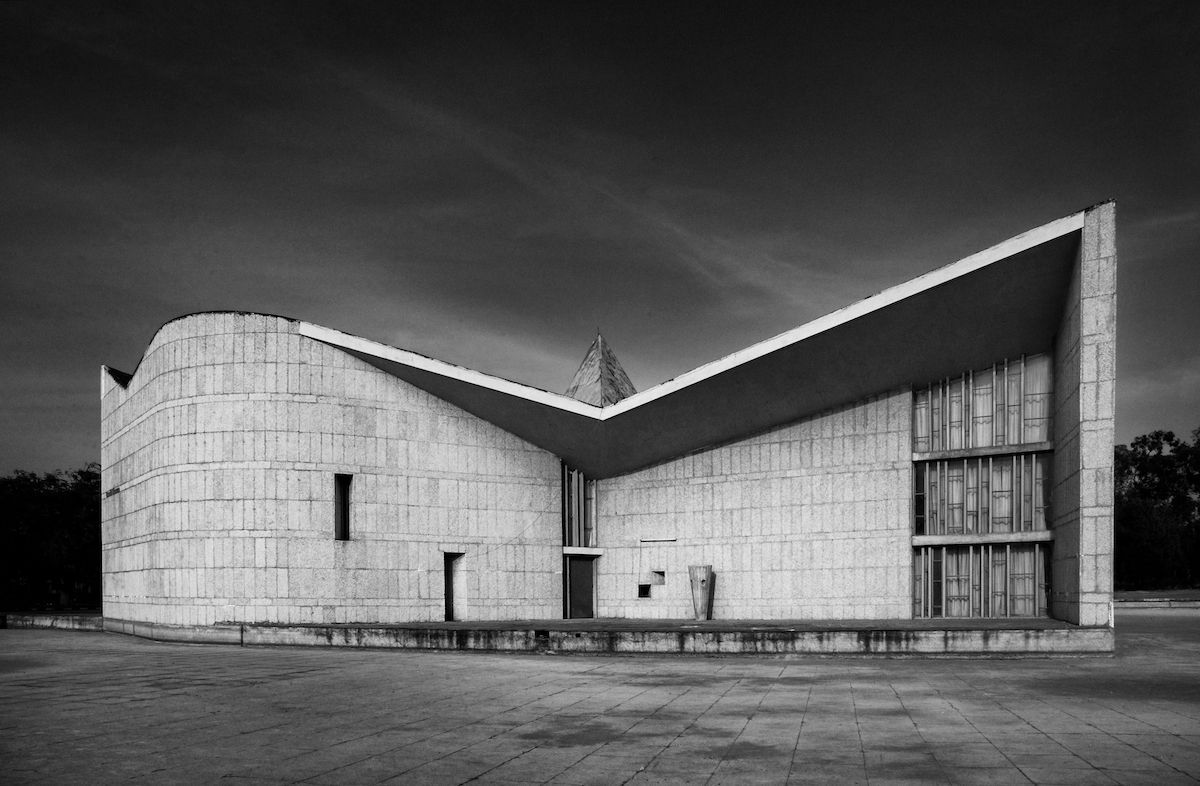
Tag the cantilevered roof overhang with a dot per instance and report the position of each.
(1000, 303)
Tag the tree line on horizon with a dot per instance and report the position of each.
(51, 526)
(1156, 514)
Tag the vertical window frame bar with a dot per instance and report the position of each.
(1021, 410)
(1008, 580)
(970, 581)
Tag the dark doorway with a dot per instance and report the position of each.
(580, 580)
(450, 565)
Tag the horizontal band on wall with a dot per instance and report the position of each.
(1041, 536)
(581, 551)
(995, 450)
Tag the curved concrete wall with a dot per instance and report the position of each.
(218, 470)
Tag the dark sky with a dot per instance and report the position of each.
(488, 183)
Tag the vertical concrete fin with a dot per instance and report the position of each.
(1085, 387)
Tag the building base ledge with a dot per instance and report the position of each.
(50, 619)
(900, 638)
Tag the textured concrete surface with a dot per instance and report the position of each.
(218, 477)
(102, 708)
(787, 466)
(992, 636)
(51, 619)
(1085, 389)
(1017, 637)
(810, 520)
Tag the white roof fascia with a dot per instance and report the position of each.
(346, 341)
(1008, 248)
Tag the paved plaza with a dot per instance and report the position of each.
(81, 707)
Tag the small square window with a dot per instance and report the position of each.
(643, 590)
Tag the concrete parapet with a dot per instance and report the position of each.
(85, 622)
(188, 634)
(609, 637)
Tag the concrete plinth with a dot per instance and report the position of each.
(927, 638)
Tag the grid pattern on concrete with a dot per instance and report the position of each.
(101, 708)
(1085, 390)
(808, 520)
(218, 469)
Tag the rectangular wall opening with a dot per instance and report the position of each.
(452, 578)
(578, 508)
(341, 506)
(579, 578)
(982, 460)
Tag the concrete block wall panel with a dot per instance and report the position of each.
(1085, 389)
(809, 521)
(219, 464)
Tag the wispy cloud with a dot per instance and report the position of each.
(1180, 379)
(1166, 397)
(1170, 219)
(736, 265)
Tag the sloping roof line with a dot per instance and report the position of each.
(1010, 247)
(123, 378)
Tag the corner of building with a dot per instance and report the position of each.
(1085, 373)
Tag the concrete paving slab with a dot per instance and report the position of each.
(105, 708)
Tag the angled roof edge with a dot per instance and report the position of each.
(348, 341)
(887, 297)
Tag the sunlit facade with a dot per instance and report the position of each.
(931, 452)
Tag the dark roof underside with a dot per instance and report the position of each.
(1003, 310)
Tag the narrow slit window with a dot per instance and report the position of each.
(578, 508)
(341, 506)
(919, 498)
(921, 426)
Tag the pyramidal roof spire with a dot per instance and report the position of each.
(600, 380)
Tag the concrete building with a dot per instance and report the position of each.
(942, 449)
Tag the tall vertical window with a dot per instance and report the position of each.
(1006, 404)
(341, 506)
(579, 508)
(981, 489)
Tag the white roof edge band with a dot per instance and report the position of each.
(887, 297)
(347, 341)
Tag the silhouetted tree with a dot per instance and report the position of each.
(1157, 512)
(51, 529)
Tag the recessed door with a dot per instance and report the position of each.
(580, 585)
